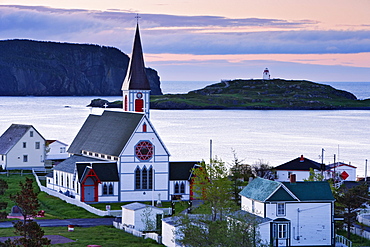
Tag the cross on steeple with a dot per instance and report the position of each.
(137, 18)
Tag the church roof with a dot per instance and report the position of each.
(266, 190)
(68, 165)
(299, 164)
(181, 170)
(136, 78)
(106, 134)
(106, 172)
(12, 135)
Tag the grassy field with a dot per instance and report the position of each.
(106, 236)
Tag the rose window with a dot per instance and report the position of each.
(144, 150)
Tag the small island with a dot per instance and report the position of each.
(256, 94)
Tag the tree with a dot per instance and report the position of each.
(31, 232)
(314, 176)
(263, 170)
(349, 201)
(217, 226)
(240, 174)
(3, 205)
(147, 219)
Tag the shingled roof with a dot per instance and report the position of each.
(266, 190)
(12, 135)
(181, 170)
(136, 78)
(106, 171)
(299, 164)
(69, 164)
(106, 134)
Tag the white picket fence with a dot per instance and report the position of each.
(116, 213)
(152, 235)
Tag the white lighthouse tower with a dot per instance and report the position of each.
(266, 74)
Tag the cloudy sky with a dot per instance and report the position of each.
(203, 40)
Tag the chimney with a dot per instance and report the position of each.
(301, 159)
(292, 178)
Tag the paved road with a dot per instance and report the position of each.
(66, 222)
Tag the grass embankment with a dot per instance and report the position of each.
(262, 94)
(106, 236)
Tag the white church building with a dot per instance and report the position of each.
(119, 156)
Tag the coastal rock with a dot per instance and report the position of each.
(61, 69)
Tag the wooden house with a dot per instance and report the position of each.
(295, 213)
(22, 147)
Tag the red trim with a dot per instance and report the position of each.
(91, 174)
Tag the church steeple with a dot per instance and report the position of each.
(135, 87)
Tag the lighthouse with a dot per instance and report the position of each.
(266, 74)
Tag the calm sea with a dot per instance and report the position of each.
(272, 136)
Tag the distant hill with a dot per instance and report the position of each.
(262, 94)
(62, 69)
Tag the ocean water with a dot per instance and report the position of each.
(275, 137)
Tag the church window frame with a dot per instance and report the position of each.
(137, 178)
(105, 189)
(110, 189)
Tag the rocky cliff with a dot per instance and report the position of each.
(61, 69)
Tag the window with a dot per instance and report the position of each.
(105, 189)
(61, 179)
(109, 157)
(37, 145)
(282, 231)
(110, 191)
(31, 133)
(103, 156)
(144, 127)
(289, 173)
(137, 178)
(144, 178)
(62, 149)
(280, 209)
(25, 158)
(182, 188)
(96, 155)
(253, 206)
(2, 157)
(24, 144)
(56, 178)
(67, 182)
(177, 188)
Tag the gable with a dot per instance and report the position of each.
(13, 135)
(299, 164)
(260, 189)
(105, 171)
(281, 195)
(106, 134)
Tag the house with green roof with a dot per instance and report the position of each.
(297, 213)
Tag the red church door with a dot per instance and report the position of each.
(139, 105)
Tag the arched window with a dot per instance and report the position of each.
(137, 178)
(177, 191)
(144, 127)
(144, 177)
(105, 189)
(182, 188)
(56, 178)
(150, 178)
(61, 179)
(67, 182)
(110, 192)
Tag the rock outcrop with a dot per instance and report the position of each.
(62, 69)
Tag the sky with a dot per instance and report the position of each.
(202, 40)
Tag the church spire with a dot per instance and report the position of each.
(136, 87)
(136, 77)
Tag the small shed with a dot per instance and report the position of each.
(141, 217)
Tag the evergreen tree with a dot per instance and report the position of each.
(31, 232)
(349, 201)
(3, 205)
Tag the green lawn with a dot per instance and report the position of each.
(106, 236)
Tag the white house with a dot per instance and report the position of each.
(294, 213)
(56, 152)
(300, 167)
(141, 217)
(341, 171)
(181, 187)
(22, 147)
